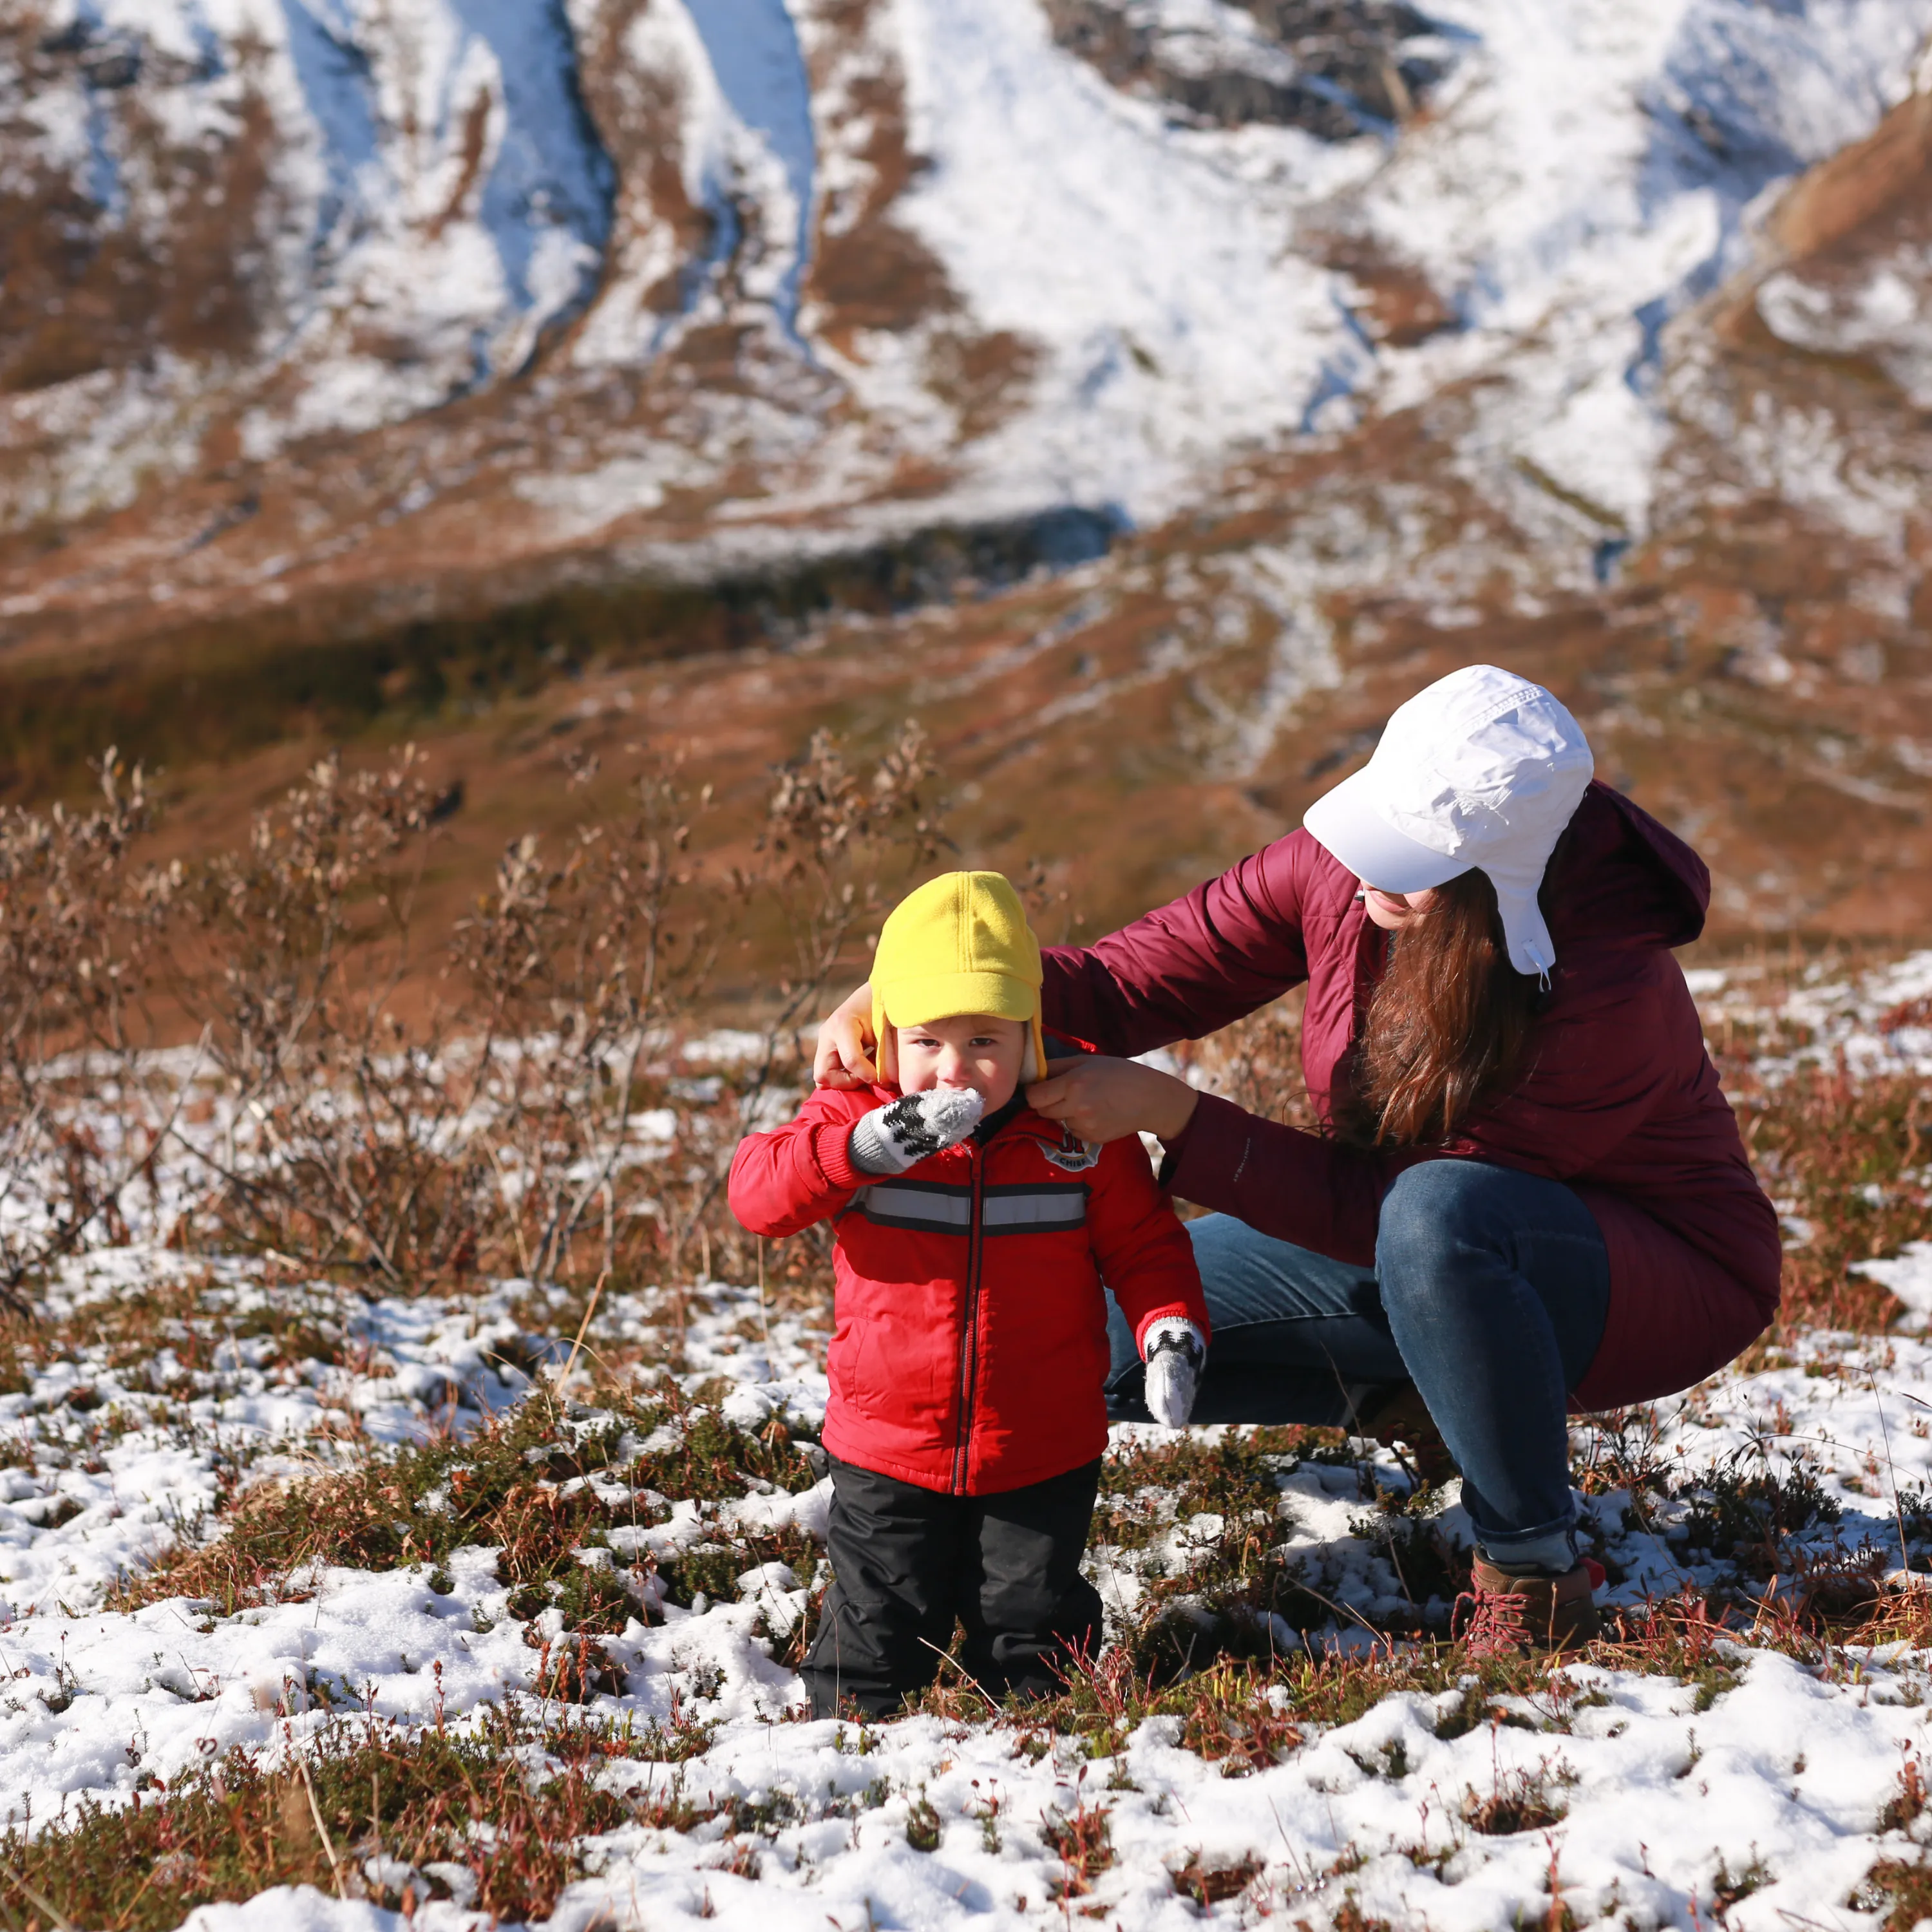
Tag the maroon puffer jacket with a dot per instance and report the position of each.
(1622, 1101)
(969, 1342)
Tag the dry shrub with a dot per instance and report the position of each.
(1904, 1807)
(572, 1670)
(1901, 1615)
(1237, 1577)
(496, 1133)
(1349, 1917)
(923, 1830)
(487, 1132)
(1900, 1888)
(1517, 1801)
(1234, 1722)
(1746, 1508)
(77, 916)
(288, 950)
(423, 1104)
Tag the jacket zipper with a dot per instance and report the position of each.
(969, 1353)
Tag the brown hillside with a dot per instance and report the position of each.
(1755, 669)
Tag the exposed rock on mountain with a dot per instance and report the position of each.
(1334, 71)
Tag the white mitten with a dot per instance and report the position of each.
(891, 1138)
(1176, 1352)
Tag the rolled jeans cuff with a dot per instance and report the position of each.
(1549, 1547)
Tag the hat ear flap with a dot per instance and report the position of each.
(1038, 1048)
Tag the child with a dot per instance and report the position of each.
(966, 1417)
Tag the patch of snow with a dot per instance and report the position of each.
(441, 186)
(1880, 1020)
(1072, 216)
(1908, 1275)
(754, 51)
(584, 502)
(725, 1046)
(1880, 317)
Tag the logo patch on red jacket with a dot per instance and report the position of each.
(1073, 1156)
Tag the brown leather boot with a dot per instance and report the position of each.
(1511, 1616)
(1400, 1416)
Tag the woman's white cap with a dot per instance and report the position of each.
(1481, 770)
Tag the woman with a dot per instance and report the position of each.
(1529, 1194)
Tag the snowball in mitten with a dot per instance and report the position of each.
(1176, 1352)
(891, 1138)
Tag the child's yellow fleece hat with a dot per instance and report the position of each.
(959, 944)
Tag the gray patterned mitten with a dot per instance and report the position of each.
(1177, 1352)
(891, 1138)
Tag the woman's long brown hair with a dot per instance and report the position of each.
(1447, 1029)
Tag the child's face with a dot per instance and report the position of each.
(973, 1050)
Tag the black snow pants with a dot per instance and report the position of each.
(907, 1562)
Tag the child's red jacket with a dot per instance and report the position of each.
(970, 1346)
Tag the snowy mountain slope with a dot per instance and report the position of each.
(1370, 339)
(419, 194)
(1579, 175)
(403, 199)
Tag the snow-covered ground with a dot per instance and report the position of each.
(1757, 1780)
(1783, 1774)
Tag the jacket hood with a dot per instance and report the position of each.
(1625, 878)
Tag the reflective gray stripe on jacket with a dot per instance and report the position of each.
(1041, 1207)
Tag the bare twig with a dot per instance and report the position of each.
(322, 1830)
(1897, 1509)
(583, 1329)
(37, 1899)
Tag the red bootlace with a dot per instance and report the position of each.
(1495, 1626)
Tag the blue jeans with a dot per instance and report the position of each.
(1488, 1292)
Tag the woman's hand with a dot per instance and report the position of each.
(845, 1042)
(1103, 1099)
